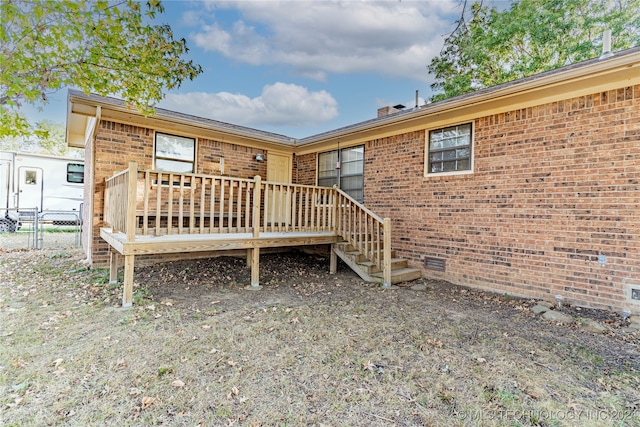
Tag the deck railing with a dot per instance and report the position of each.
(368, 233)
(116, 201)
(150, 202)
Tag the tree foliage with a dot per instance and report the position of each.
(100, 46)
(52, 139)
(48, 138)
(490, 47)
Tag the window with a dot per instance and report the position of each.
(30, 177)
(75, 173)
(327, 172)
(450, 149)
(349, 177)
(174, 153)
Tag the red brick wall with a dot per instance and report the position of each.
(239, 161)
(553, 187)
(117, 144)
(304, 169)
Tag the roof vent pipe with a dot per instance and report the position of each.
(606, 44)
(417, 98)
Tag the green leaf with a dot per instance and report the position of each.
(489, 47)
(96, 46)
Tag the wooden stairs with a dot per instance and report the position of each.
(400, 270)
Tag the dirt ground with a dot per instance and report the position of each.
(308, 349)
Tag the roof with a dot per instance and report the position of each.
(630, 58)
(80, 97)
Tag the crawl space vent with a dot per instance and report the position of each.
(434, 263)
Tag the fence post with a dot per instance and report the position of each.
(36, 230)
(387, 253)
(132, 199)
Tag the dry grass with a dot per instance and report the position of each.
(308, 349)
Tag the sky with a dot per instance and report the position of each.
(300, 68)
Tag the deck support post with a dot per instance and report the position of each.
(333, 260)
(249, 257)
(127, 292)
(113, 267)
(255, 269)
(387, 253)
(253, 254)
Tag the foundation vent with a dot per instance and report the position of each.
(437, 264)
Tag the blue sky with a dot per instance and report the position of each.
(300, 68)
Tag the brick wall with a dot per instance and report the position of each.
(554, 186)
(117, 144)
(239, 161)
(304, 169)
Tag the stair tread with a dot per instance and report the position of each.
(358, 253)
(369, 263)
(398, 272)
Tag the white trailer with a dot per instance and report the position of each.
(35, 183)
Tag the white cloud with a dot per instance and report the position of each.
(213, 37)
(319, 37)
(279, 104)
(190, 18)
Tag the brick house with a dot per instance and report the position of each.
(530, 188)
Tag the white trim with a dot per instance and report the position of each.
(440, 174)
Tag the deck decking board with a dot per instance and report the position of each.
(172, 243)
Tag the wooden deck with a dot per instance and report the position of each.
(156, 212)
(176, 243)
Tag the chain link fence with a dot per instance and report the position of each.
(18, 229)
(29, 229)
(59, 229)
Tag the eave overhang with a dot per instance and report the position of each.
(82, 107)
(584, 78)
(598, 75)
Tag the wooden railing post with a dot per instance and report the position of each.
(255, 250)
(130, 230)
(132, 190)
(387, 253)
(334, 196)
(256, 205)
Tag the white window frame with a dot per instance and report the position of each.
(427, 146)
(177, 159)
